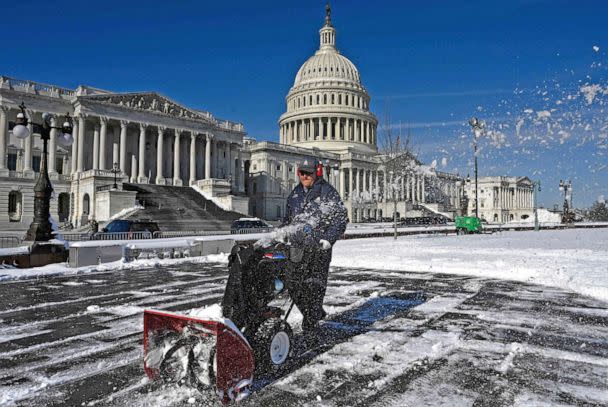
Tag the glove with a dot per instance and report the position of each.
(325, 245)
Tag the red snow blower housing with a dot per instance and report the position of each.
(221, 352)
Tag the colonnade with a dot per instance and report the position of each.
(409, 188)
(514, 198)
(328, 128)
(222, 159)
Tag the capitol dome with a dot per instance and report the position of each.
(328, 106)
(327, 65)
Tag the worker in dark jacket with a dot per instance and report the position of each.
(315, 219)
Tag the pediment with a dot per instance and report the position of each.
(151, 102)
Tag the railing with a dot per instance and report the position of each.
(107, 187)
(40, 88)
(86, 236)
(187, 233)
(249, 231)
(7, 242)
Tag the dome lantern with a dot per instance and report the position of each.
(327, 33)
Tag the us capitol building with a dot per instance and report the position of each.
(148, 138)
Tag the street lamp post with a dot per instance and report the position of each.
(478, 129)
(535, 190)
(566, 188)
(41, 229)
(394, 196)
(115, 170)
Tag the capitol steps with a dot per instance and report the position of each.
(179, 208)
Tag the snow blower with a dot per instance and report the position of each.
(221, 348)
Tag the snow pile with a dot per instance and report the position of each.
(575, 259)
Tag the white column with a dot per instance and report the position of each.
(358, 181)
(241, 173)
(103, 135)
(74, 154)
(123, 146)
(27, 143)
(377, 183)
(115, 154)
(81, 132)
(141, 176)
(385, 194)
(160, 155)
(3, 136)
(347, 130)
(208, 141)
(96, 147)
(192, 158)
(216, 158)
(423, 190)
(342, 183)
(177, 180)
(133, 168)
(330, 129)
(357, 130)
(231, 164)
(320, 128)
(350, 182)
(52, 147)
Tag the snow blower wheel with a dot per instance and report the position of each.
(272, 348)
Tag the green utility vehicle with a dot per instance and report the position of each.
(468, 224)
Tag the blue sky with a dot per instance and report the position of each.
(429, 65)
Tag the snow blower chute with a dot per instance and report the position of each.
(220, 348)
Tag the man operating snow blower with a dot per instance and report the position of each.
(315, 219)
(220, 347)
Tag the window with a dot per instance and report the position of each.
(59, 165)
(36, 163)
(333, 99)
(290, 168)
(12, 162)
(14, 206)
(279, 167)
(324, 99)
(339, 99)
(255, 167)
(317, 99)
(86, 204)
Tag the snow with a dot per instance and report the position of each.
(14, 251)
(576, 259)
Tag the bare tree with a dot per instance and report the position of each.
(398, 161)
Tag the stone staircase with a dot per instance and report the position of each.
(179, 208)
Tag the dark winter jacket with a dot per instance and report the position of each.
(319, 212)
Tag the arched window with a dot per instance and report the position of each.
(318, 99)
(324, 99)
(495, 217)
(298, 102)
(310, 100)
(14, 206)
(340, 99)
(333, 99)
(86, 204)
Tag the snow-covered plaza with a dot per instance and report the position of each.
(512, 318)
